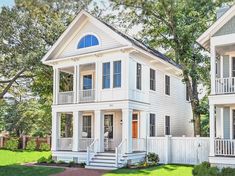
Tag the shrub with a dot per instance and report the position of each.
(153, 158)
(44, 147)
(31, 145)
(42, 160)
(61, 162)
(50, 161)
(83, 164)
(227, 172)
(204, 169)
(12, 144)
(71, 164)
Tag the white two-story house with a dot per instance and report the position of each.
(219, 39)
(121, 93)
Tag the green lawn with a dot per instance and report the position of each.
(164, 170)
(9, 164)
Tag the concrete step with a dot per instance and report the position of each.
(101, 167)
(102, 164)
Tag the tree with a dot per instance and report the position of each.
(174, 25)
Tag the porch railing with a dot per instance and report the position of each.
(84, 143)
(120, 150)
(91, 150)
(224, 147)
(139, 144)
(86, 95)
(65, 143)
(66, 97)
(225, 85)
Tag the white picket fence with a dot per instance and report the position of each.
(180, 150)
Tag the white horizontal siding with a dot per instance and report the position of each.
(106, 41)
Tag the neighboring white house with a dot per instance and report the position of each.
(122, 92)
(219, 39)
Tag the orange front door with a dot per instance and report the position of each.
(134, 129)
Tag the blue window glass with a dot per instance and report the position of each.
(88, 41)
(87, 82)
(117, 74)
(106, 75)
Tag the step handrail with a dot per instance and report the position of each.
(91, 148)
(119, 151)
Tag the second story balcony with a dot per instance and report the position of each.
(225, 85)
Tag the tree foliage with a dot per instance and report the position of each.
(174, 26)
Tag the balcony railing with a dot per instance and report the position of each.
(86, 95)
(224, 147)
(65, 143)
(66, 97)
(225, 85)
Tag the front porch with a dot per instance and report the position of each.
(101, 131)
(222, 134)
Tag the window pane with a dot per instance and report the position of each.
(167, 125)
(87, 41)
(167, 85)
(152, 124)
(106, 75)
(152, 80)
(108, 126)
(117, 74)
(86, 127)
(138, 76)
(87, 82)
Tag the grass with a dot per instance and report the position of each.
(163, 170)
(9, 164)
(18, 157)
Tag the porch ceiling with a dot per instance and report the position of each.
(225, 49)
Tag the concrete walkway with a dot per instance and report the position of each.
(80, 172)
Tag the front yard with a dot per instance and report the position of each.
(9, 164)
(164, 170)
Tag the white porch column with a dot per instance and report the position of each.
(212, 129)
(55, 131)
(222, 121)
(231, 122)
(99, 130)
(75, 90)
(127, 128)
(56, 83)
(76, 131)
(213, 69)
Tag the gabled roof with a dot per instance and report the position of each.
(204, 39)
(130, 39)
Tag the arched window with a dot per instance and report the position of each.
(87, 41)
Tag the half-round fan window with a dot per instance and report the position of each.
(88, 41)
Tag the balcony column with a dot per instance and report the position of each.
(76, 83)
(98, 80)
(56, 83)
(99, 130)
(231, 122)
(55, 131)
(127, 128)
(212, 129)
(76, 131)
(213, 69)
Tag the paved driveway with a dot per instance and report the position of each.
(80, 172)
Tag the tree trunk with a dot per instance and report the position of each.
(197, 124)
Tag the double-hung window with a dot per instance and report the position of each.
(233, 67)
(106, 75)
(167, 125)
(152, 125)
(86, 126)
(116, 74)
(152, 79)
(167, 85)
(138, 76)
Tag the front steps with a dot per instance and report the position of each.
(105, 161)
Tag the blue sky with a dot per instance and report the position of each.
(6, 2)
